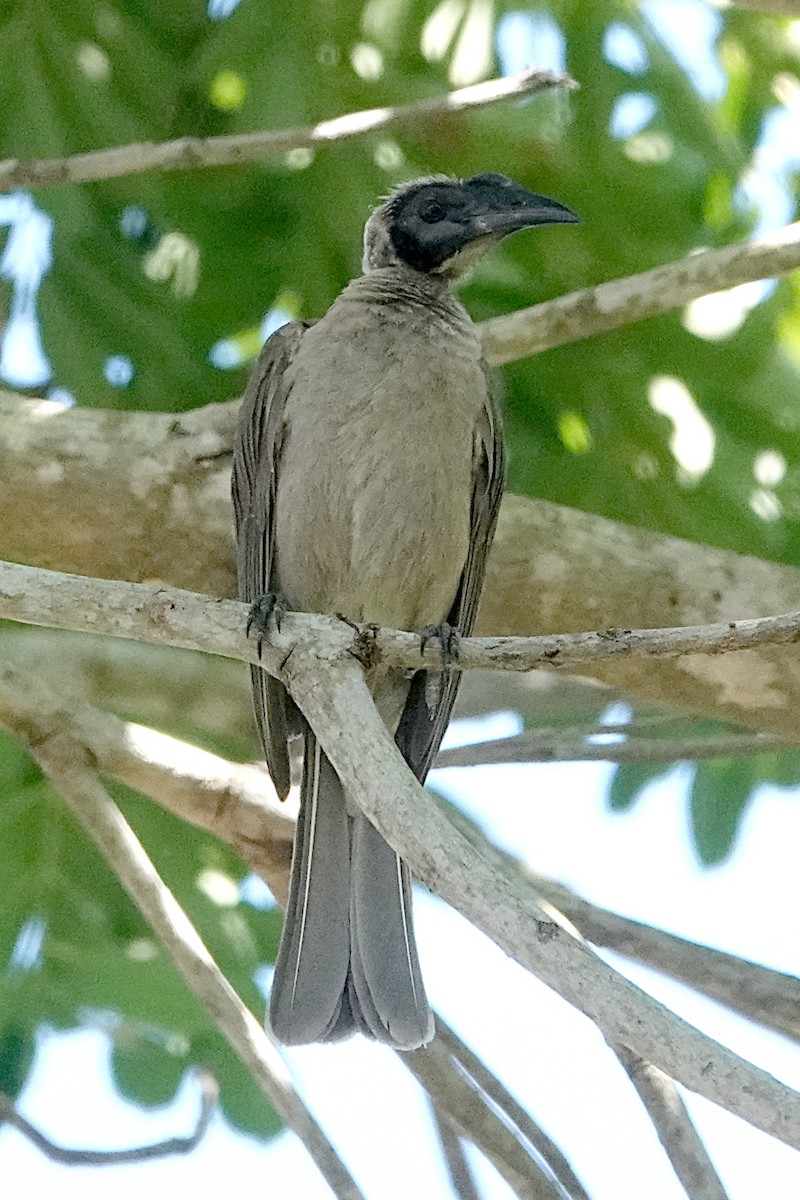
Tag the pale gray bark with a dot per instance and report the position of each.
(190, 153)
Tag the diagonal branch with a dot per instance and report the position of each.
(761, 994)
(337, 702)
(676, 1131)
(69, 767)
(472, 1118)
(622, 301)
(233, 149)
(485, 1082)
(68, 1156)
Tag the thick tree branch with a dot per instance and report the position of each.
(162, 511)
(71, 1157)
(70, 769)
(761, 994)
(622, 301)
(189, 153)
(337, 702)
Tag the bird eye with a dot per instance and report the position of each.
(431, 211)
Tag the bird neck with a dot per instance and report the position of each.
(403, 286)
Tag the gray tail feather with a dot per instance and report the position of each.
(347, 959)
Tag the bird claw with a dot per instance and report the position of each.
(266, 610)
(449, 640)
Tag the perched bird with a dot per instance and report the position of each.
(368, 471)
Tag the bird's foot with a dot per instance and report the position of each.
(269, 609)
(365, 642)
(448, 638)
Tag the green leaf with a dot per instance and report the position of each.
(629, 781)
(719, 797)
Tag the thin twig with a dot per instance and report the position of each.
(70, 769)
(209, 1091)
(534, 747)
(192, 152)
(171, 616)
(473, 1118)
(462, 1180)
(502, 1100)
(674, 1126)
(622, 301)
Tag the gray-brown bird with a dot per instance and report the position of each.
(368, 472)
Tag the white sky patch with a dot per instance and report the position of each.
(765, 504)
(474, 53)
(440, 29)
(769, 468)
(692, 441)
(719, 314)
(219, 887)
(367, 61)
(93, 61)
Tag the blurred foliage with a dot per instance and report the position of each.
(157, 270)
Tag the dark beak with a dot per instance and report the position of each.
(503, 207)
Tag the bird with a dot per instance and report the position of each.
(368, 470)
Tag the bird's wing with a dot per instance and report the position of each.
(256, 451)
(433, 694)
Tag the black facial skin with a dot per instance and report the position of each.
(430, 224)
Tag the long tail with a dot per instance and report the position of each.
(347, 959)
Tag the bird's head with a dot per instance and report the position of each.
(441, 226)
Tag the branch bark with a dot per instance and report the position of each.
(191, 153)
(674, 1127)
(72, 1157)
(532, 747)
(173, 617)
(70, 768)
(336, 700)
(623, 301)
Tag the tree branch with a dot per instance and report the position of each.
(209, 1092)
(768, 997)
(514, 1114)
(472, 1118)
(173, 617)
(674, 1126)
(337, 702)
(623, 301)
(531, 746)
(190, 153)
(234, 801)
(132, 521)
(69, 767)
(452, 1146)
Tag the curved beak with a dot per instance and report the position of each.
(503, 207)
